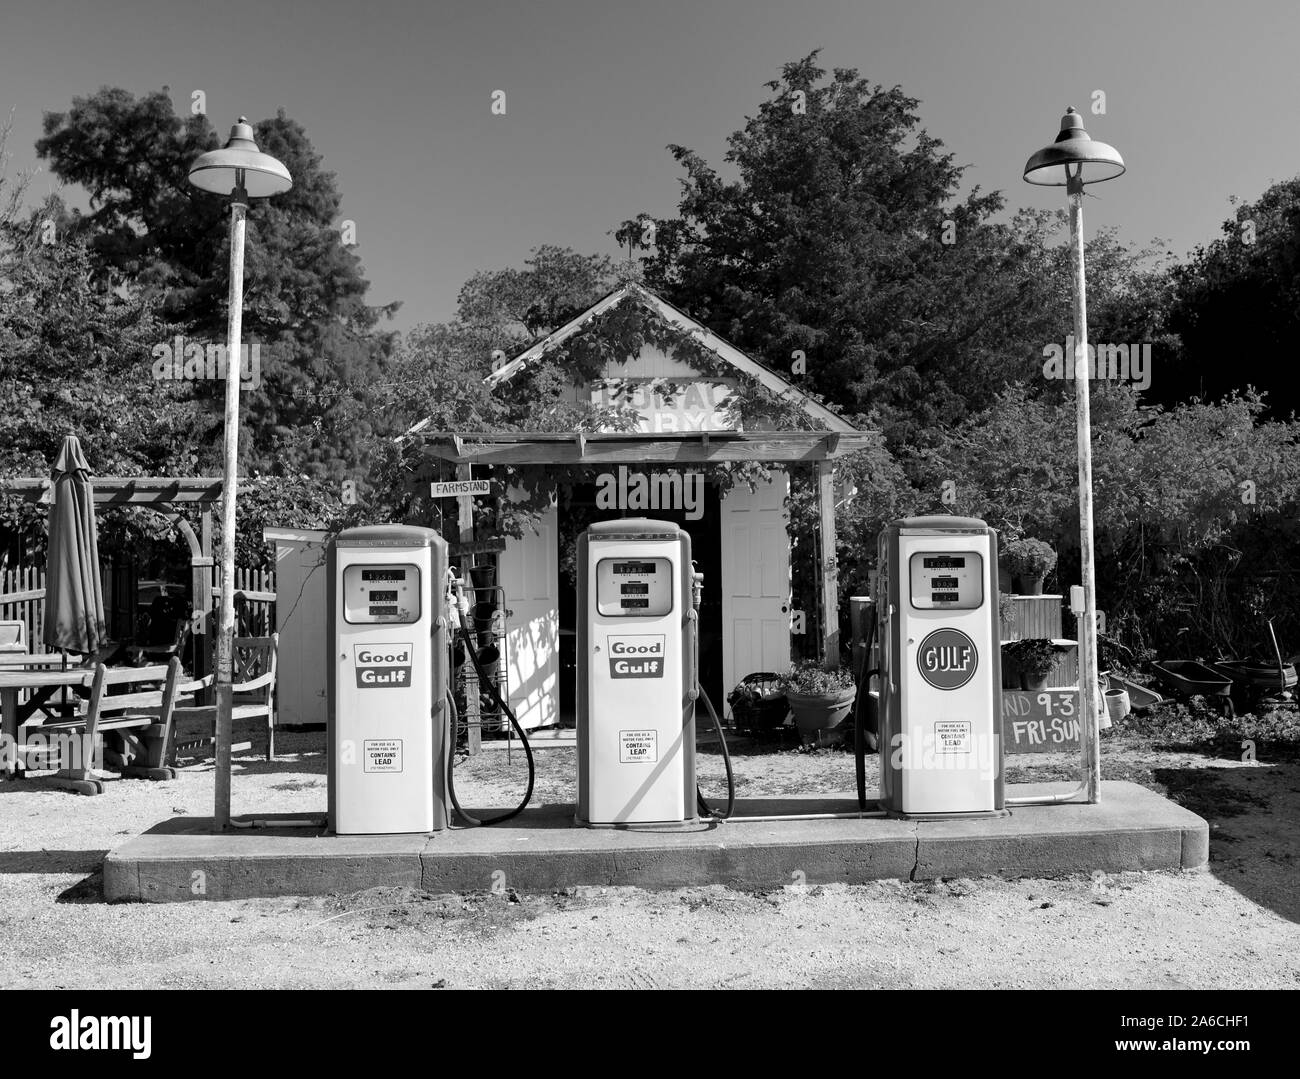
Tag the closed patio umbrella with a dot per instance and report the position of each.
(74, 596)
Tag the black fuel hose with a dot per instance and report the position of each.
(706, 809)
(484, 680)
(860, 705)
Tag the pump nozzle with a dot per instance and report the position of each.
(457, 603)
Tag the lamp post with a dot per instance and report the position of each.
(240, 171)
(1073, 160)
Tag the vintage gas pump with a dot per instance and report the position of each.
(387, 680)
(940, 733)
(636, 674)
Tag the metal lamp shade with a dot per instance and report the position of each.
(221, 171)
(1073, 151)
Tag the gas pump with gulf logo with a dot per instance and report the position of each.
(387, 680)
(940, 668)
(636, 676)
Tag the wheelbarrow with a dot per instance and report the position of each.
(1188, 678)
(758, 705)
(1255, 681)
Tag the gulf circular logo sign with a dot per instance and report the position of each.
(947, 659)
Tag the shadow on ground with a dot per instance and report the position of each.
(1254, 816)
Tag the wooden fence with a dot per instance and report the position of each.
(22, 598)
(254, 600)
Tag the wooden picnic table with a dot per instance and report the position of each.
(40, 674)
(133, 705)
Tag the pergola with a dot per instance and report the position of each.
(158, 493)
(820, 448)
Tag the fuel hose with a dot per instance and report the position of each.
(861, 705)
(450, 738)
(706, 809)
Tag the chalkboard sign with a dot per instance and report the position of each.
(1040, 721)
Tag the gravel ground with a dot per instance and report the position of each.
(1233, 926)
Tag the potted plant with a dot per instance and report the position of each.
(1034, 659)
(820, 699)
(1029, 561)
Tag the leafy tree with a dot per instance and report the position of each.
(845, 236)
(831, 242)
(1195, 506)
(1238, 304)
(75, 358)
(304, 301)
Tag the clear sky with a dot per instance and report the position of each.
(1201, 99)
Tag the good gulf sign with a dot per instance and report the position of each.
(383, 666)
(947, 659)
(639, 656)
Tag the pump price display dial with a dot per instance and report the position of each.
(632, 589)
(381, 594)
(947, 581)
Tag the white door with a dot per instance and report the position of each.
(755, 580)
(530, 576)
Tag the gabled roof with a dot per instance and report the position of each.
(719, 346)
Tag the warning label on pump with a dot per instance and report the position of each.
(383, 666)
(638, 747)
(952, 736)
(640, 656)
(382, 755)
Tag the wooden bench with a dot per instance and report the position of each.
(142, 716)
(254, 698)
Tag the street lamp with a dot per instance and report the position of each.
(241, 171)
(1073, 160)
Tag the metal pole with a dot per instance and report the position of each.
(1089, 739)
(226, 624)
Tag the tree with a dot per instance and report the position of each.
(1237, 308)
(155, 235)
(76, 357)
(845, 254)
(1196, 507)
(834, 242)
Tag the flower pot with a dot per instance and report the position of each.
(1118, 704)
(1033, 683)
(483, 576)
(816, 712)
(1030, 586)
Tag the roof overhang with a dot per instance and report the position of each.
(696, 447)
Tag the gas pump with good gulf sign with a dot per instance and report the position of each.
(387, 680)
(940, 668)
(636, 674)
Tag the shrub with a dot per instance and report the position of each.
(1033, 658)
(1029, 558)
(811, 679)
